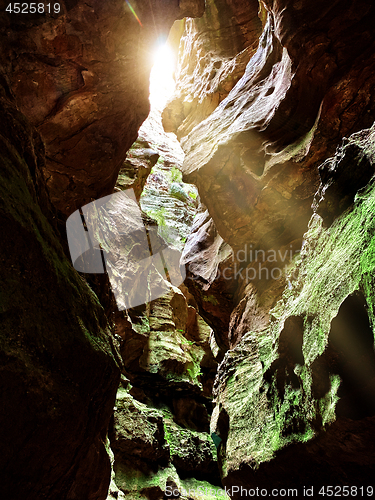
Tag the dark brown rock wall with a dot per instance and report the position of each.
(81, 77)
(59, 365)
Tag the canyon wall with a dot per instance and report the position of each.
(259, 370)
(74, 91)
(292, 201)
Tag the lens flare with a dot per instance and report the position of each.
(133, 12)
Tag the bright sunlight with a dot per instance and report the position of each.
(162, 83)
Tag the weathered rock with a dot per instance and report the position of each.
(339, 181)
(214, 52)
(138, 164)
(235, 291)
(157, 353)
(253, 159)
(343, 454)
(308, 379)
(59, 363)
(151, 451)
(192, 453)
(209, 270)
(162, 484)
(165, 198)
(82, 79)
(138, 431)
(170, 202)
(293, 399)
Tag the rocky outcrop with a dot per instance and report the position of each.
(308, 378)
(75, 76)
(284, 396)
(136, 168)
(214, 51)
(161, 421)
(254, 158)
(151, 450)
(160, 433)
(60, 365)
(259, 370)
(209, 266)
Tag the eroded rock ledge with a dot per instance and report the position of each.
(255, 158)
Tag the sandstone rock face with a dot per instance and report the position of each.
(308, 378)
(209, 265)
(59, 363)
(160, 433)
(136, 168)
(214, 51)
(161, 420)
(254, 158)
(81, 78)
(285, 398)
(259, 370)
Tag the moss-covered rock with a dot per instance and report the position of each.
(192, 453)
(138, 430)
(59, 364)
(281, 386)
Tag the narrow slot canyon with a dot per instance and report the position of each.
(187, 254)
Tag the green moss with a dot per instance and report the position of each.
(333, 263)
(139, 485)
(210, 298)
(51, 321)
(159, 216)
(327, 404)
(178, 192)
(175, 175)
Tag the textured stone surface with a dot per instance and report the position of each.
(167, 353)
(214, 51)
(312, 364)
(151, 449)
(59, 364)
(138, 164)
(192, 452)
(339, 181)
(254, 158)
(81, 77)
(163, 196)
(157, 353)
(295, 388)
(171, 202)
(138, 431)
(209, 269)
